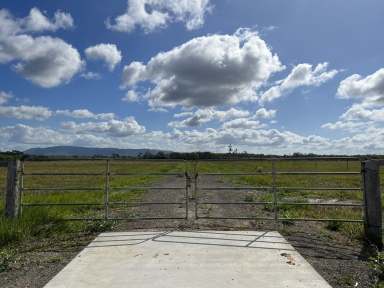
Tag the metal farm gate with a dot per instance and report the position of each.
(275, 190)
(189, 191)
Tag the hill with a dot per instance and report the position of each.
(87, 151)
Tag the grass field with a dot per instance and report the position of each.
(43, 220)
(40, 237)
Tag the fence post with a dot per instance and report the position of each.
(372, 202)
(106, 191)
(274, 191)
(12, 195)
(186, 194)
(196, 196)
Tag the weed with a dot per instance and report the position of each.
(6, 258)
(377, 264)
(248, 198)
(334, 225)
(99, 226)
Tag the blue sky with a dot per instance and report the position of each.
(264, 76)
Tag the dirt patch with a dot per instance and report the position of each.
(343, 262)
(34, 263)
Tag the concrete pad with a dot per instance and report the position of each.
(198, 259)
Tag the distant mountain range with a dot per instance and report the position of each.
(87, 151)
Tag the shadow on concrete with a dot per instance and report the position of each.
(255, 240)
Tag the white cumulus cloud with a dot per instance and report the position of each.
(369, 111)
(201, 116)
(25, 112)
(206, 71)
(115, 128)
(46, 61)
(104, 52)
(368, 89)
(263, 113)
(154, 14)
(36, 21)
(301, 75)
(85, 113)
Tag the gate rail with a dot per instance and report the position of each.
(370, 186)
(274, 189)
(106, 193)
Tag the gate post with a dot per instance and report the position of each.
(372, 202)
(106, 190)
(12, 194)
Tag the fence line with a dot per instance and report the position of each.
(370, 185)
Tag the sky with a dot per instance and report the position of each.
(268, 76)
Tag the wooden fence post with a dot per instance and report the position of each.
(372, 202)
(13, 192)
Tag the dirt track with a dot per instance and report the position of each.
(339, 260)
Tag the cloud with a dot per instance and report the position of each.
(243, 123)
(115, 128)
(357, 118)
(133, 73)
(131, 96)
(24, 134)
(256, 140)
(259, 140)
(91, 75)
(104, 52)
(36, 21)
(44, 60)
(368, 89)
(369, 112)
(25, 112)
(85, 113)
(4, 97)
(202, 116)
(150, 15)
(206, 71)
(360, 112)
(344, 125)
(301, 75)
(263, 113)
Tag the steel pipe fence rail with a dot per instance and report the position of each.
(283, 173)
(329, 158)
(107, 204)
(102, 204)
(274, 189)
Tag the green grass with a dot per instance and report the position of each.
(352, 230)
(41, 221)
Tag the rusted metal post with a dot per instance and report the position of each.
(12, 195)
(106, 191)
(372, 202)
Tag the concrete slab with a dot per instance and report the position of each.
(203, 259)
